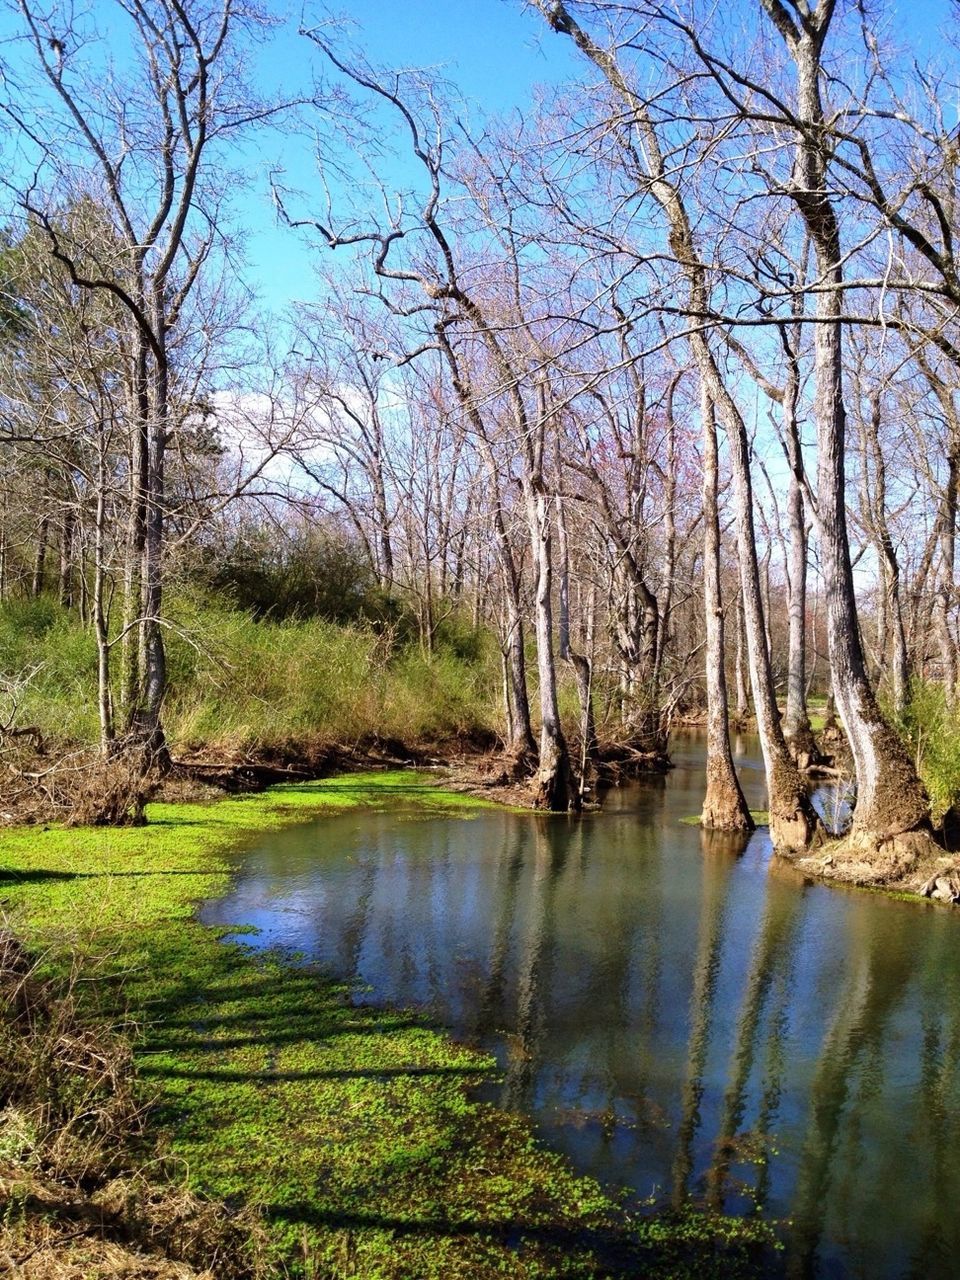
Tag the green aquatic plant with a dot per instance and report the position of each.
(349, 1129)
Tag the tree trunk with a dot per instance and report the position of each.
(794, 824)
(582, 663)
(100, 624)
(796, 721)
(947, 585)
(890, 797)
(724, 806)
(155, 660)
(521, 744)
(555, 786)
(67, 532)
(43, 537)
(875, 513)
(132, 629)
(740, 664)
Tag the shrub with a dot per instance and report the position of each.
(931, 728)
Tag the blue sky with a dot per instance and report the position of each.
(494, 51)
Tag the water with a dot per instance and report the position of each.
(681, 1015)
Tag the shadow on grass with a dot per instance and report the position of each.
(342, 1073)
(46, 877)
(273, 1032)
(423, 790)
(296, 1007)
(618, 1252)
(8, 877)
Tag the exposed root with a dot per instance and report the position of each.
(795, 826)
(796, 831)
(905, 860)
(943, 886)
(556, 790)
(724, 806)
(720, 815)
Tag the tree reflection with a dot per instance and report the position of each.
(771, 959)
(718, 849)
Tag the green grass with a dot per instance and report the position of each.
(248, 685)
(761, 818)
(349, 1127)
(931, 728)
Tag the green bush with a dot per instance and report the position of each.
(247, 683)
(931, 728)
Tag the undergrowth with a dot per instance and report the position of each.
(246, 684)
(931, 728)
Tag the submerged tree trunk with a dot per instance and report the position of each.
(793, 821)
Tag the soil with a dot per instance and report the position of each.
(912, 863)
(473, 765)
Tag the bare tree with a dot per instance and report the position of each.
(794, 823)
(145, 141)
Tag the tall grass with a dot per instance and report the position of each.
(244, 684)
(48, 670)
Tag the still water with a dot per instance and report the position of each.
(681, 1015)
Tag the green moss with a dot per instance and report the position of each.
(761, 818)
(349, 1127)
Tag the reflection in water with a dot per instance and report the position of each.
(677, 1012)
(714, 845)
(771, 961)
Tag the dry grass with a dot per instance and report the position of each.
(79, 1200)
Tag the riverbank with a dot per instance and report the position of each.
(346, 1132)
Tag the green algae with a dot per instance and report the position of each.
(761, 818)
(350, 1128)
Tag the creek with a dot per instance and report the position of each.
(681, 1014)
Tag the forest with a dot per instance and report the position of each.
(615, 416)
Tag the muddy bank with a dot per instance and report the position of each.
(473, 764)
(919, 863)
